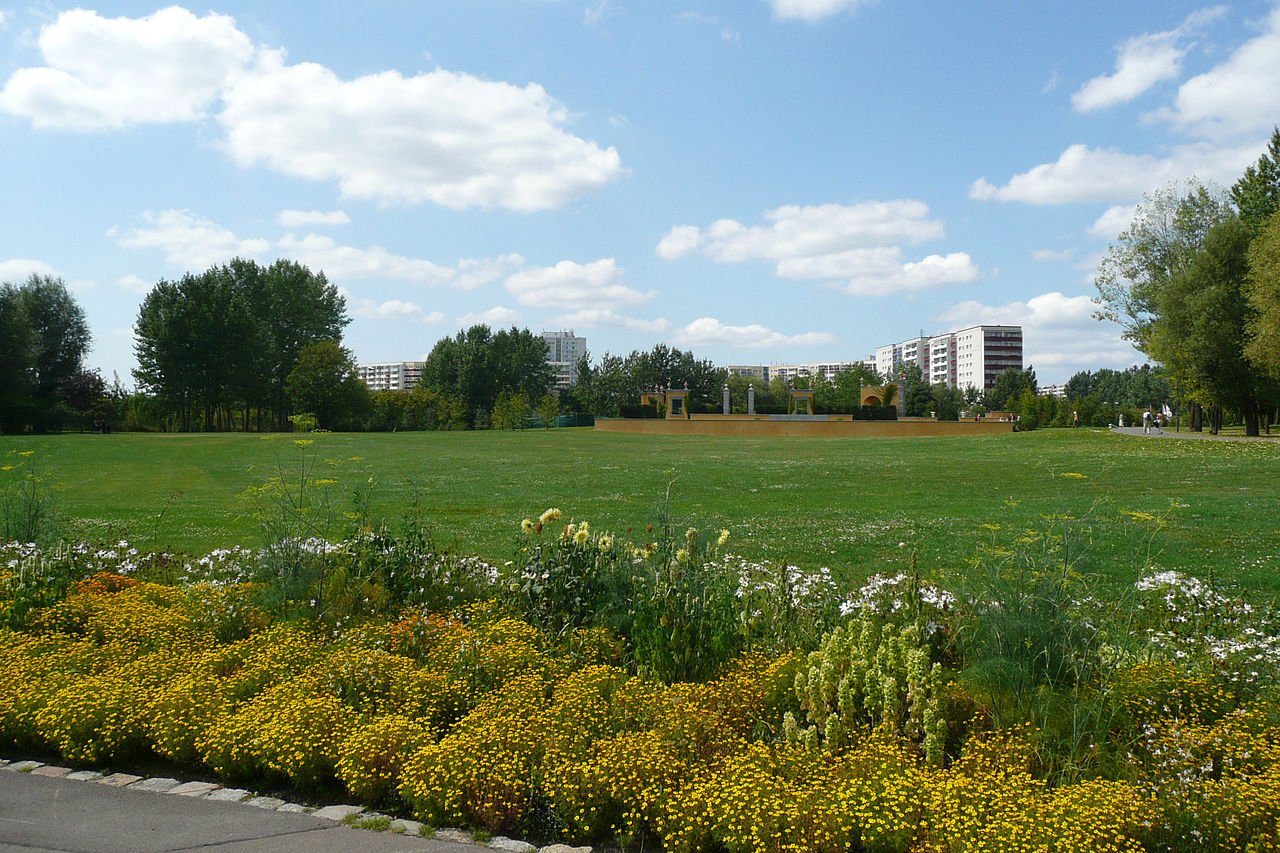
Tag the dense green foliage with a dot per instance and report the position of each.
(477, 366)
(1180, 281)
(215, 349)
(43, 339)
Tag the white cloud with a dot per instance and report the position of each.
(878, 272)
(1060, 335)
(572, 285)
(4, 19)
(812, 10)
(680, 241)
(1050, 256)
(298, 218)
(188, 240)
(1113, 220)
(851, 244)
(497, 316)
(1238, 97)
(104, 73)
(710, 331)
(804, 231)
(347, 262)
(1084, 174)
(477, 272)
(1142, 62)
(134, 284)
(592, 318)
(18, 270)
(372, 309)
(448, 138)
(196, 243)
(433, 317)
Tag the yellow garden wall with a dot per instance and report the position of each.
(837, 426)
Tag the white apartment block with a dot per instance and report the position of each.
(968, 358)
(563, 351)
(829, 369)
(391, 376)
(892, 356)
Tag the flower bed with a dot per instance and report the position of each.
(514, 714)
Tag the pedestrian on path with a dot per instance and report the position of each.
(1146, 422)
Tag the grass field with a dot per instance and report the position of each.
(1195, 506)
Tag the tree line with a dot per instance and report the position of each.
(1195, 283)
(250, 347)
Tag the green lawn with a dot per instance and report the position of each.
(844, 504)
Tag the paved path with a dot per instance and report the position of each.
(1170, 433)
(38, 813)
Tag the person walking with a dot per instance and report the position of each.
(1146, 422)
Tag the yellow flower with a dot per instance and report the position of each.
(605, 543)
(580, 538)
(724, 537)
(682, 555)
(1072, 475)
(526, 526)
(303, 443)
(26, 453)
(549, 516)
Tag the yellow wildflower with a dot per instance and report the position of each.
(549, 516)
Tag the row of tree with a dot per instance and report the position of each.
(43, 342)
(216, 349)
(1195, 282)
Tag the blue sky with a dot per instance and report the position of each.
(760, 181)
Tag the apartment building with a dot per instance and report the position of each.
(891, 357)
(564, 348)
(756, 372)
(968, 358)
(390, 376)
(829, 369)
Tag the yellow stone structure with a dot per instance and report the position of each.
(801, 398)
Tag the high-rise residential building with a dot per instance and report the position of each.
(390, 376)
(984, 352)
(968, 358)
(892, 356)
(563, 351)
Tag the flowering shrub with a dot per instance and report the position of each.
(291, 730)
(481, 772)
(370, 760)
(989, 801)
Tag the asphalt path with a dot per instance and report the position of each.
(41, 813)
(1169, 432)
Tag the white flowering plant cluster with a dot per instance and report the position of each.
(1195, 626)
(781, 606)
